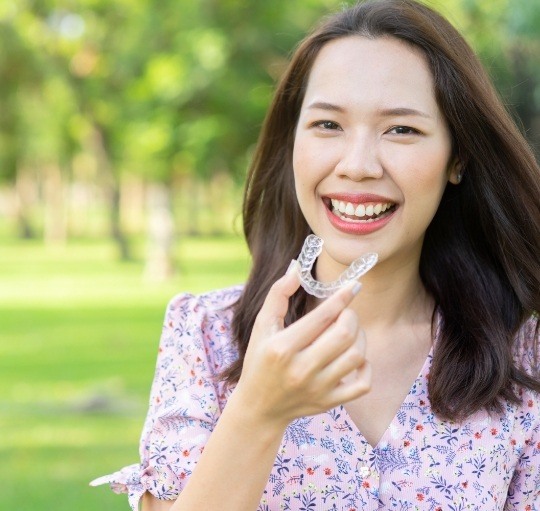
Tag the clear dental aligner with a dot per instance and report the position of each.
(310, 251)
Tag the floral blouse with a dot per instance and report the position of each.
(489, 462)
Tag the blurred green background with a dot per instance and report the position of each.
(125, 131)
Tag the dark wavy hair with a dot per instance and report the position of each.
(480, 258)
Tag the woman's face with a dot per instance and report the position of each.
(372, 152)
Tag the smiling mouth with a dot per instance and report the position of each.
(361, 213)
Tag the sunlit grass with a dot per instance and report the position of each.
(89, 273)
(79, 334)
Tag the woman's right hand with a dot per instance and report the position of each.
(307, 368)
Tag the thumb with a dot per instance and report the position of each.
(275, 306)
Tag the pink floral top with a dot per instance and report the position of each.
(489, 462)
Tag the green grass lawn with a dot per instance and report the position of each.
(78, 339)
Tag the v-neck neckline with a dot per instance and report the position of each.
(383, 439)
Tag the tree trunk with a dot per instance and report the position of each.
(112, 187)
(116, 228)
(25, 195)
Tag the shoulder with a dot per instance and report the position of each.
(216, 301)
(527, 346)
(199, 326)
(188, 310)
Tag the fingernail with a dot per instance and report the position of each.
(356, 288)
(292, 266)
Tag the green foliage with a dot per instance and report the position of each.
(160, 81)
(506, 35)
(176, 90)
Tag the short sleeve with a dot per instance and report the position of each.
(524, 490)
(184, 403)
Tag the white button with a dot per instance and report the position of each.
(364, 471)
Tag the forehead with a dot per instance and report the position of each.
(366, 71)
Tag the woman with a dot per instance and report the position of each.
(422, 390)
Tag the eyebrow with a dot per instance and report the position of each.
(387, 112)
(395, 112)
(321, 105)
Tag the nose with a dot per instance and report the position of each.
(359, 158)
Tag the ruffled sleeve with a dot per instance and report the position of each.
(186, 399)
(524, 490)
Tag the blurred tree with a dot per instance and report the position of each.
(522, 50)
(165, 96)
(506, 34)
(20, 75)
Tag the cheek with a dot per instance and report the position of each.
(423, 172)
(297, 156)
(311, 154)
(304, 165)
(426, 194)
(301, 181)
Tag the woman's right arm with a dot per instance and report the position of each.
(288, 373)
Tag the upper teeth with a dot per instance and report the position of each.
(360, 210)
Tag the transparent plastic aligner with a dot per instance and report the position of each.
(310, 251)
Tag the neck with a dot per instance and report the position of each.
(390, 296)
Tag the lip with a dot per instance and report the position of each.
(359, 198)
(357, 228)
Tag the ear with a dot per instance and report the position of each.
(455, 173)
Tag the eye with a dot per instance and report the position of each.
(403, 130)
(326, 125)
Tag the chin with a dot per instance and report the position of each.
(343, 257)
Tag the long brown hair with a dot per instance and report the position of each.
(480, 259)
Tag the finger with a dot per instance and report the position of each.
(276, 304)
(342, 368)
(315, 322)
(332, 343)
(356, 387)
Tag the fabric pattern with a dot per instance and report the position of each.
(489, 462)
